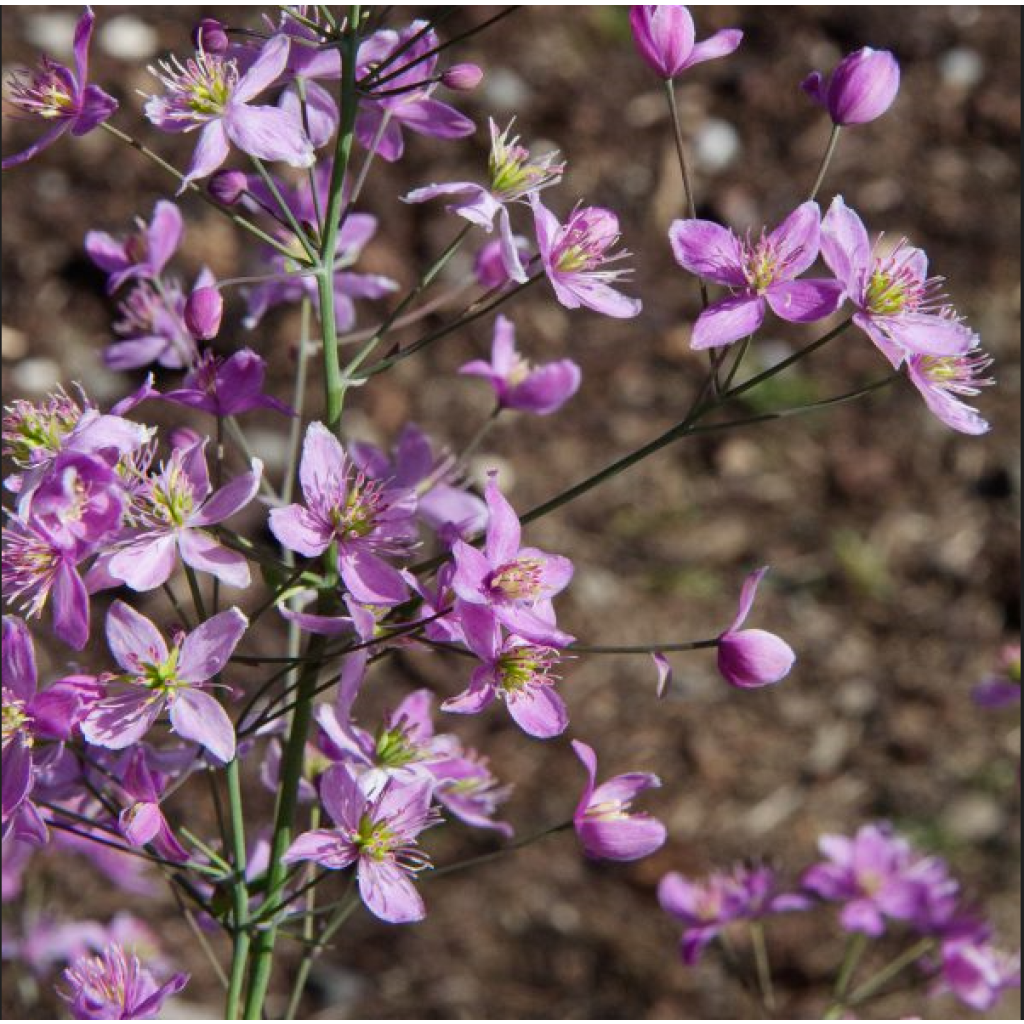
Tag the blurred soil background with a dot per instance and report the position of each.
(894, 543)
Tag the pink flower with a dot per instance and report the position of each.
(378, 836)
(158, 678)
(666, 38)
(761, 275)
(576, 257)
(60, 97)
(145, 254)
(861, 89)
(519, 385)
(751, 658)
(604, 820)
(207, 93)
(944, 383)
(174, 510)
(115, 986)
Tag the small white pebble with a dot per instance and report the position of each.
(128, 38)
(962, 68)
(53, 33)
(717, 145)
(36, 376)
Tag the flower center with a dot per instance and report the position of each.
(375, 839)
(359, 515)
(395, 748)
(762, 270)
(15, 719)
(519, 581)
(514, 172)
(887, 294)
(171, 498)
(161, 677)
(48, 93)
(524, 668)
(34, 433)
(198, 89)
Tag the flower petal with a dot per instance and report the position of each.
(207, 649)
(199, 717)
(727, 322)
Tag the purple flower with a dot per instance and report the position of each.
(666, 38)
(604, 821)
(861, 89)
(28, 716)
(944, 383)
(466, 786)
(227, 387)
(878, 875)
(1002, 688)
(516, 584)
(60, 97)
(901, 309)
(519, 672)
(575, 255)
(80, 502)
(378, 835)
(38, 567)
(751, 658)
(363, 517)
(411, 105)
(515, 176)
(145, 254)
(707, 908)
(152, 326)
(158, 678)
(174, 510)
(977, 973)
(444, 506)
(490, 268)
(760, 275)
(115, 986)
(209, 94)
(519, 385)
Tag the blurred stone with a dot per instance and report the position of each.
(505, 92)
(717, 146)
(975, 818)
(962, 68)
(128, 38)
(13, 343)
(52, 32)
(36, 376)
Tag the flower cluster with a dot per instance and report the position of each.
(372, 555)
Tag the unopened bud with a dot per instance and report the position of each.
(462, 77)
(227, 187)
(203, 313)
(210, 36)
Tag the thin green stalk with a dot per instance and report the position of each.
(308, 935)
(830, 152)
(286, 211)
(684, 168)
(763, 964)
(239, 895)
(298, 405)
(487, 858)
(195, 189)
(875, 985)
(693, 645)
(197, 595)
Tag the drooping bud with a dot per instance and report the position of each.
(462, 77)
(228, 187)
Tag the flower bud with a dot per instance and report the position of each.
(210, 36)
(203, 313)
(860, 90)
(664, 35)
(228, 187)
(462, 77)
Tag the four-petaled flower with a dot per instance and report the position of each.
(760, 274)
(158, 678)
(378, 835)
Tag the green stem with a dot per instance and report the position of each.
(684, 167)
(308, 930)
(197, 594)
(239, 893)
(763, 964)
(192, 187)
(286, 211)
(873, 986)
(487, 858)
(830, 152)
(693, 645)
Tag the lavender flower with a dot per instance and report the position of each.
(145, 254)
(227, 387)
(575, 254)
(944, 383)
(174, 510)
(759, 274)
(666, 38)
(901, 309)
(707, 908)
(976, 972)
(877, 876)
(466, 786)
(514, 670)
(157, 678)
(365, 518)
(28, 716)
(604, 820)
(152, 327)
(516, 584)
(61, 97)
(410, 103)
(207, 93)
(861, 89)
(115, 986)
(751, 658)
(515, 176)
(1002, 688)
(519, 385)
(142, 822)
(378, 836)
